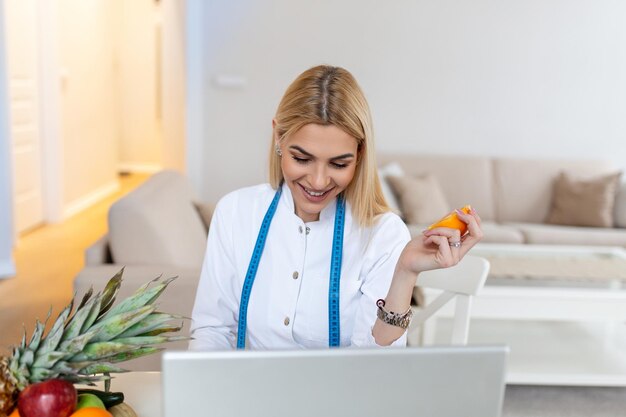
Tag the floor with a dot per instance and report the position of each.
(47, 260)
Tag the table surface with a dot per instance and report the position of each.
(142, 391)
(562, 330)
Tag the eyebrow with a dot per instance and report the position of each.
(299, 149)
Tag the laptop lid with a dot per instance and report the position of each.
(449, 381)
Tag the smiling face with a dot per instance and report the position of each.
(318, 163)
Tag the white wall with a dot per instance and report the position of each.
(490, 77)
(7, 267)
(140, 113)
(173, 88)
(89, 101)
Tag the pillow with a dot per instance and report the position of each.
(205, 211)
(584, 202)
(394, 169)
(421, 198)
(620, 206)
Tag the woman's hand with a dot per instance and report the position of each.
(439, 247)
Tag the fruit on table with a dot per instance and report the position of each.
(89, 400)
(91, 412)
(452, 221)
(109, 399)
(86, 342)
(122, 410)
(15, 413)
(51, 398)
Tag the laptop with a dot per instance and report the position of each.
(451, 381)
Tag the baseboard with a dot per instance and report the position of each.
(90, 199)
(139, 168)
(7, 269)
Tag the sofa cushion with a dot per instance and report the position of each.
(463, 179)
(547, 234)
(383, 173)
(584, 201)
(620, 206)
(523, 187)
(492, 232)
(157, 224)
(421, 198)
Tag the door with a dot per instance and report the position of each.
(23, 81)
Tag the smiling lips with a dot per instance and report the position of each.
(314, 196)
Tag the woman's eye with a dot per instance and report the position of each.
(339, 165)
(300, 160)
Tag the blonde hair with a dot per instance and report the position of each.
(327, 95)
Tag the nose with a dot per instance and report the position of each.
(320, 178)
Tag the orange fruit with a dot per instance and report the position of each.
(15, 413)
(91, 412)
(452, 221)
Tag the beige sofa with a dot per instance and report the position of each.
(157, 228)
(513, 196)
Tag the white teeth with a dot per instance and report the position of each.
(314, 194)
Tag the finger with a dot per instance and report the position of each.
(445, 258)
(474, 235)
(474, 213)
(453, 234)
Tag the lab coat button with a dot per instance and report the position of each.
(286, 321)
(295, 275)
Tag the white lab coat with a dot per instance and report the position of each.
(288, 307)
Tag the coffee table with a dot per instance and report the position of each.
(561, 309)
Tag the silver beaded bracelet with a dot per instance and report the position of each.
(401, 320)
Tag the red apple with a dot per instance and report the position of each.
(52, 398)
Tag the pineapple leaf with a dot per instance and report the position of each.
(133, 354)
(76, 323)
(93, 314)
(75, 345)
(142, 297)
(27, 357)
(47, 359)
(153, 322)
(86, 380)
(100, 368)
(36, 337)
(52, 339)
(110, 327)
(165, 328)
(86, 298)
(23, 343)
(41, 374)
(150, 340)
(100, 350)
(165, 284)
(110, 292)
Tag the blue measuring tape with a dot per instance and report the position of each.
(334, 335)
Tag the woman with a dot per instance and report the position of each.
(315, 258)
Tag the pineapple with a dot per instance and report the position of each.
(84, 346)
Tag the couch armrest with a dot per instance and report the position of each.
(99, 252)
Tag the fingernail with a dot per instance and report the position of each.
(425, 231)
(458, 211)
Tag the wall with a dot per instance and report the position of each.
(140, 112)
(89, 103)
(487, 77)
(173, 88)
(7, 267)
